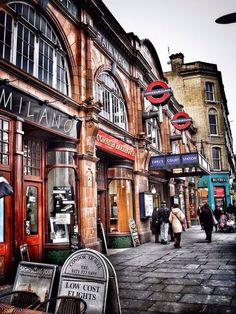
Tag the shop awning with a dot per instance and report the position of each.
(181, 165)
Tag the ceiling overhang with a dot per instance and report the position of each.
(181, 165)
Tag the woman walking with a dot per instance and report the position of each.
(176, 219)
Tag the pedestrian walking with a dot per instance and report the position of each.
(155, 226)
(206, 218)
(177, 219)
(163, 218)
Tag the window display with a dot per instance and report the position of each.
(62, 216)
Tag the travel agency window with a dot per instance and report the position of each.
(62, 175)
(109, 93)
(28, 40)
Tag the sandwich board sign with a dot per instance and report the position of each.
(36, 277)
(85, 274)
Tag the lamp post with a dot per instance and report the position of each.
(227, 19)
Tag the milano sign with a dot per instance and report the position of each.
(37, 112)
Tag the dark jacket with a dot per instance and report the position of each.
(155, 226)
(206, 217)
(163, 214)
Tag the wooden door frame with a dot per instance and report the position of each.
(34, 239)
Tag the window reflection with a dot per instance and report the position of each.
(31, 226)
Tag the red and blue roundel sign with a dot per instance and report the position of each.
(181, 120)
(158, 93)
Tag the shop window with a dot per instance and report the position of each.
(210, 93)
(4, 142)
(212, 114)
(120, 204)
(109, 93)
(216, 158)
(62, 216)
(28, 40)
(32, 158)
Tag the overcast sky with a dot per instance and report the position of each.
(186, 26)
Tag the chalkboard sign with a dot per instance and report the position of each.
(101, 234)
(36, 277)
(75, 242)
(24, 252)
(134, 232)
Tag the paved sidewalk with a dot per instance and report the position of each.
(198, 278)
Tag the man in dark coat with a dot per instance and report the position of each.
(155, 224)
(163, 218)
(206, 218)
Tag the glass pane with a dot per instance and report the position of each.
(66, 158)
(61, 200)
(31, 224)
(121, 205)
(1, 219)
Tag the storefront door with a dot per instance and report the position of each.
(32, 215)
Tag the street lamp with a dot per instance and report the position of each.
(226, 19)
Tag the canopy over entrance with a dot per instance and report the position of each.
(181, 165)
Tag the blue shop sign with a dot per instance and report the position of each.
(175, 161)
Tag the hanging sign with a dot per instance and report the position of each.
(158, 93)
(181, 120)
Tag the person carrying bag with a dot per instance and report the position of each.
(178, 222)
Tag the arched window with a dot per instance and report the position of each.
(28, 40)
(109, 93)
(212, 114)
(216, 158)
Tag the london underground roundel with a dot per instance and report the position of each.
(181, 120)
(158, 93)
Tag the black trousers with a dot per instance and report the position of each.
(177, 239)
(208, 234)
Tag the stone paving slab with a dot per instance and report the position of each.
(198, 278)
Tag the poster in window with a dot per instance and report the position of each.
(59, 232)
(63, 199)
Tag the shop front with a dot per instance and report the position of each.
(215, 189)
(115, 180)
(38, 149)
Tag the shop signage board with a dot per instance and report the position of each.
(102, 235)
(85, 274)
(158, 93)
(37, 112)
(146, 204)
(111, 144)
(181, 121)
(175, 161)
(134, 232)
(36, 277)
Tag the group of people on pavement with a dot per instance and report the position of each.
(172, 222)
(165, 222)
